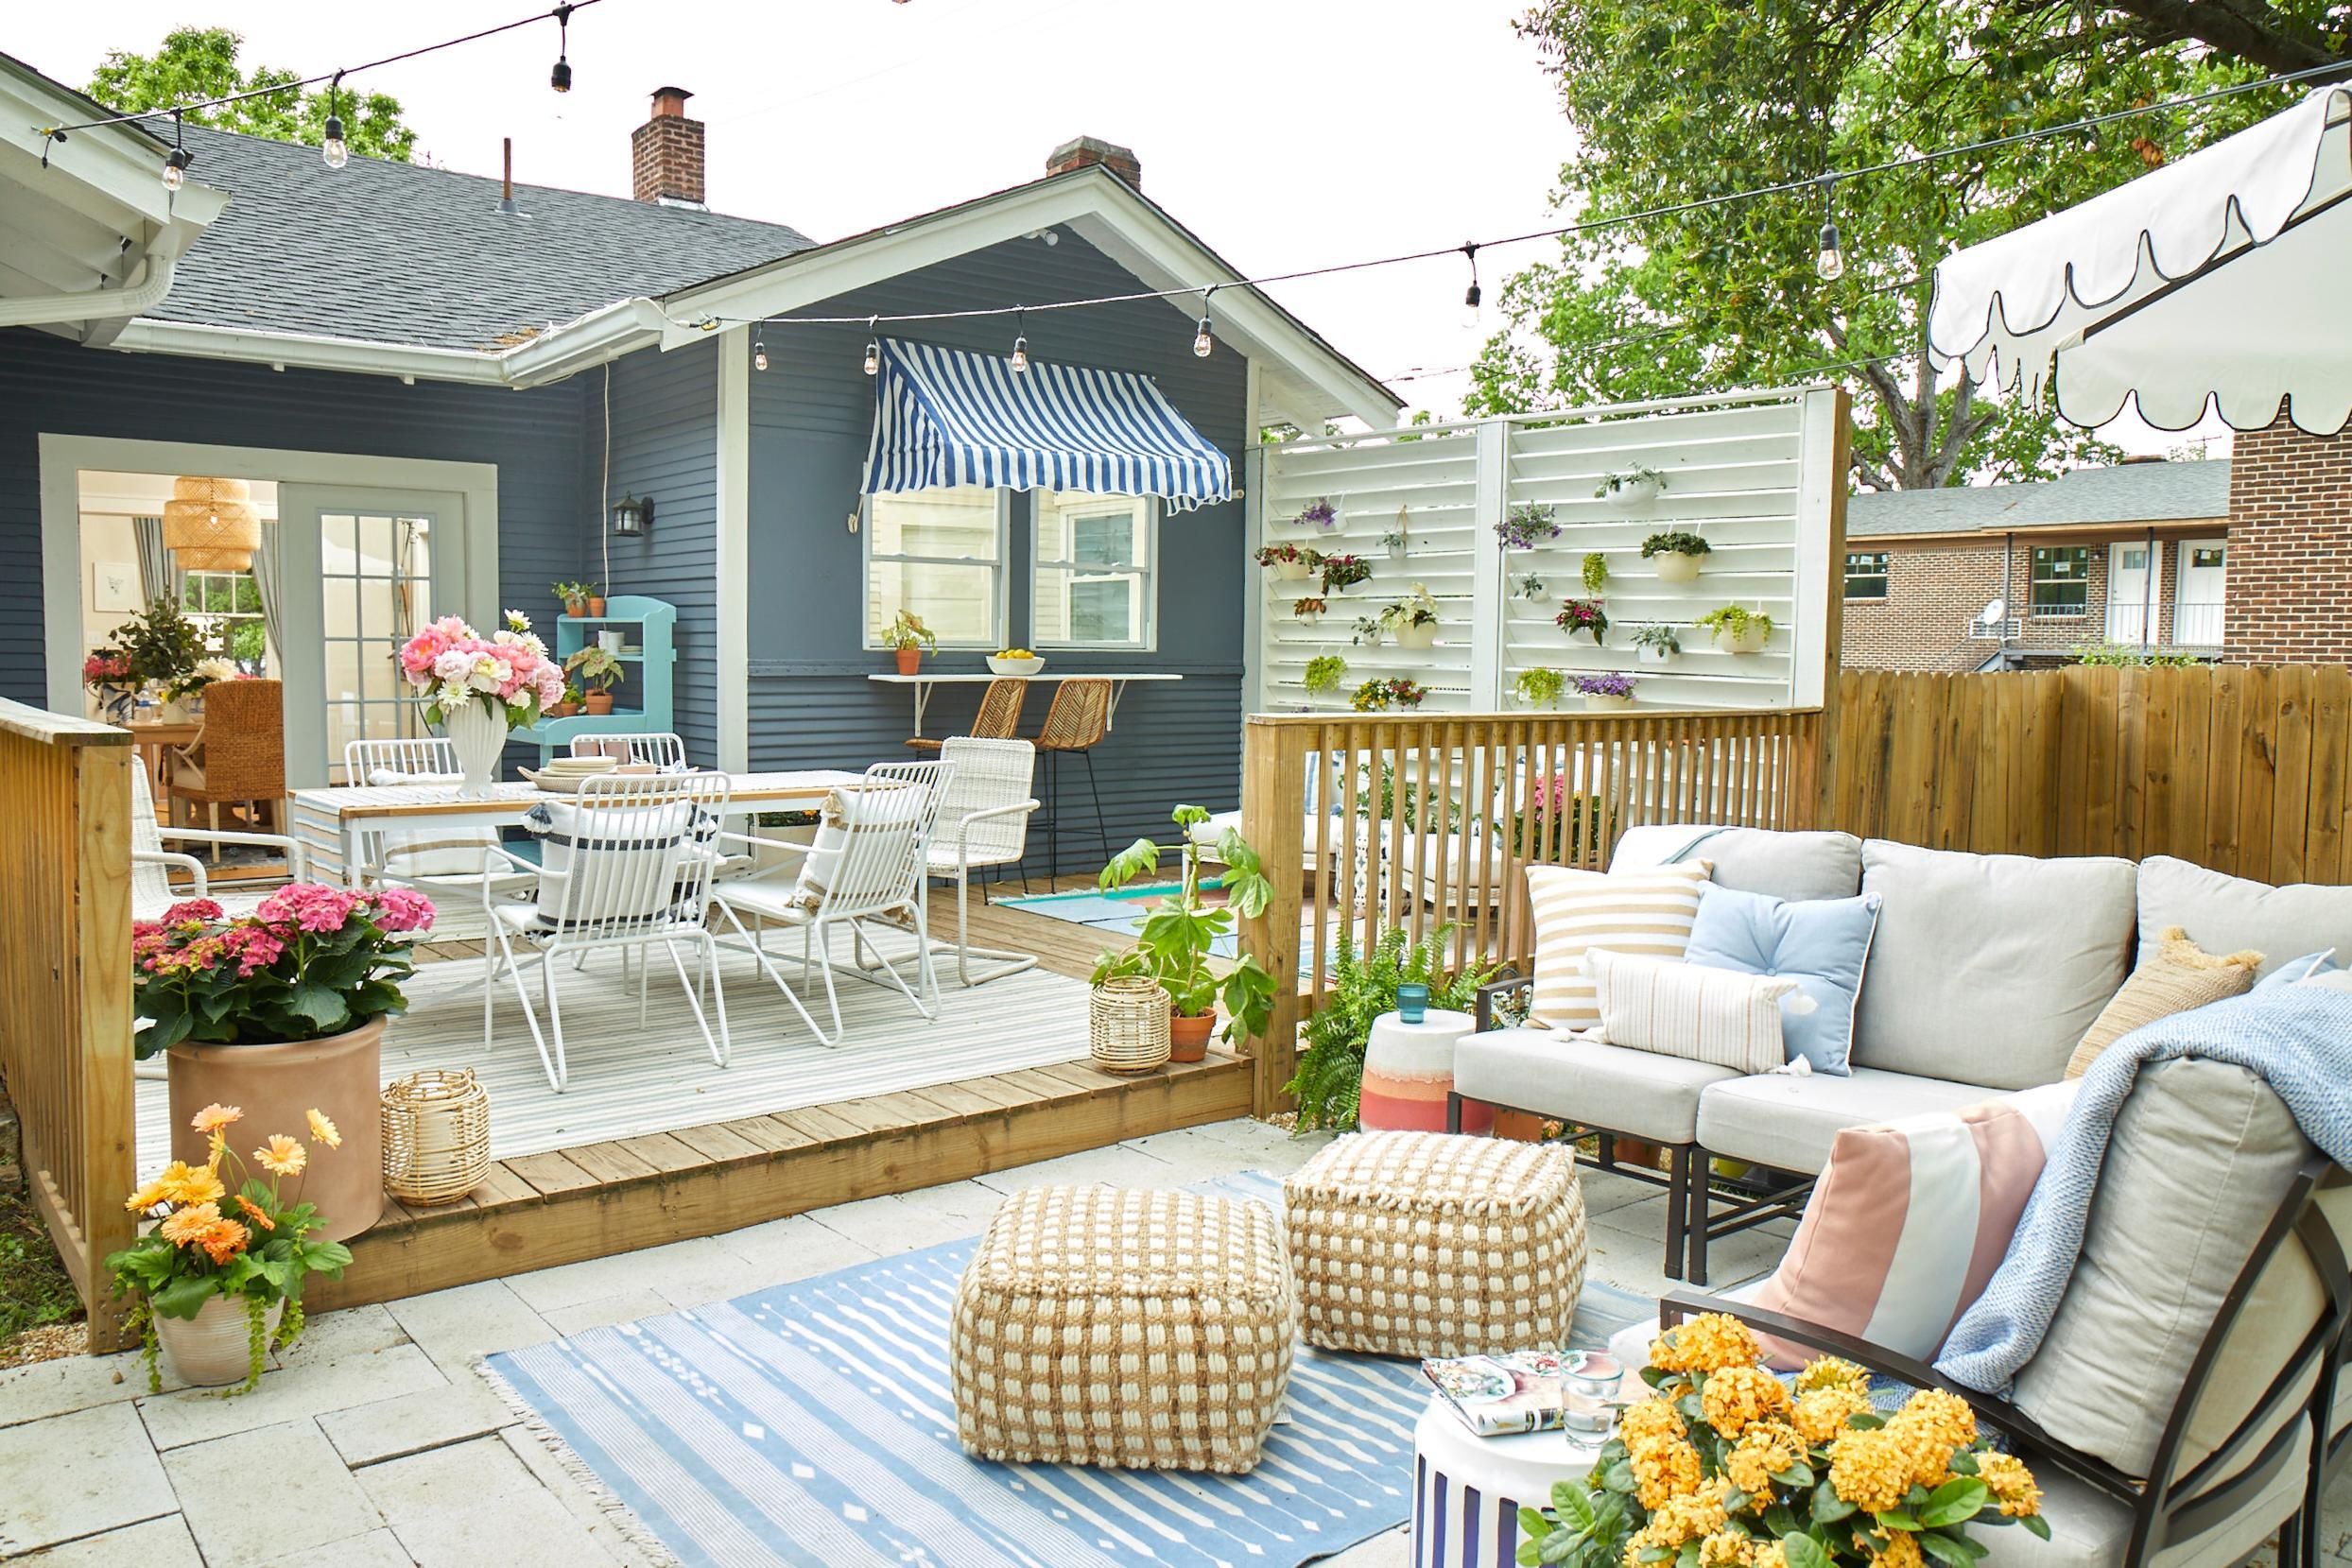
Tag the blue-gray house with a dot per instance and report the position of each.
(443, 384)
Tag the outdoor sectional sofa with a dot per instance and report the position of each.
(1983, 974)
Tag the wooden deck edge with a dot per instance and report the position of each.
(545, 1210)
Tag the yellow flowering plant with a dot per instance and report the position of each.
(231, 1235)
(1726, 1466)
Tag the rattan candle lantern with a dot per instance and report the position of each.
(1126, 1025)
(210, 524)
(436, 1136)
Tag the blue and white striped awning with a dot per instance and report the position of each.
(943, 417)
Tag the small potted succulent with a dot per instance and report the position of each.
(1341, 573)
(1412, 618)
(910, 640)
(1318, 513)
(1309, 608)
(1654, 642)
(1583, 615)
(1675, 555)
(1540, 687)
(597, 673)
(1527, 524)
(1738, 630)
(1288, 563)
(1379, 696)
(1606, 689)
(1323, 673)
(1179, 934)
(1635, 487)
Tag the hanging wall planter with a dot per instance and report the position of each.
(1288, 563)
(1738, 630)
(1607, 691)
(1656, 644)
(1635, 487)
(1675, 557)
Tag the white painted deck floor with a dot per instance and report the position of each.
(626, 1082)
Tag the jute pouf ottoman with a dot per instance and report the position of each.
(1141, 1329)
(1432, 1243)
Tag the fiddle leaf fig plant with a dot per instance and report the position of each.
(1181, 931)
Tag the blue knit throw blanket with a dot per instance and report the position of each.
(2297, 1038)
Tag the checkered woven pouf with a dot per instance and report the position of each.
(1143, 1330)
(1427, 1244)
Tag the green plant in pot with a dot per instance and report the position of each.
(1738, 630)
(598, 672)
(574, 595)
(910, 640)
(1181, 931)
(1413, 619)
(1323, 673)
(1541, 686)
(1329, 1081)
(159, 646)
(1675, 555)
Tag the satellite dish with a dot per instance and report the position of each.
(1996, 611)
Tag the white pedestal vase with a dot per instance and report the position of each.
(477, 730)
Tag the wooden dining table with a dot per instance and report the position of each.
(333, 825)
(156, 740)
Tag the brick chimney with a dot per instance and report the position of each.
(665, 152)
(1081, 150)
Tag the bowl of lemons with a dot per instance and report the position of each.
(1015, 660)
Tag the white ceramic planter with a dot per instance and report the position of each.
(1639, 491)
(1292, 571)
(1599, 703)
(1674, 567)
(477, 730)
(612, 642)
(215, 1347)
(1416, 636)
(1750, 641)
(1649, 655)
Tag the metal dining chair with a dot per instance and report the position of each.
(663, 750)
(1075, 725)
(999, 717)
(983, 823)
(446, 863)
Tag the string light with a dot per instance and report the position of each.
(759, 349)
(873, 347)
(1020, 345)
(334, 149)
(176, 162)
(561, 78)
(1204, 342)
(1830, 261)
(1471, 296)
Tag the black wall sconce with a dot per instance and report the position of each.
(632, 516)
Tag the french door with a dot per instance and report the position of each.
(2197, 607)
(2130, 593)
(362, 570)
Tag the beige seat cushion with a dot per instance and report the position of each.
(2088, 1529)
(1634, 1093)
(1989, 968)
(2174, 976)
(2222, 913)
(1789, 1122)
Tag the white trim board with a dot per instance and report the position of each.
(731, 556)
(64, 458)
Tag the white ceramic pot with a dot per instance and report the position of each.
(1649, 655)
(477, 730)
(1637, 491)
(611, 641)
(1293, 571)
(1599, 703)
(1750, 641)
(1417, 636)
(215, 1347)
(1674, 567)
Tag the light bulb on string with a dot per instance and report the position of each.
(561, 78)
(1203, 340)
(1829, 261)
(1020, 343)
(176, 162)
(759, 354)
(334, 148)
(873, 348)
(1472, 295)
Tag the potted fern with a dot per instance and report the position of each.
(1181, 932)
(1328, 1083)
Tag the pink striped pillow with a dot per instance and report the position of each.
(1910, 1219)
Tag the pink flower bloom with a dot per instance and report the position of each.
(309, 906)
(403, 910)
(192, 909)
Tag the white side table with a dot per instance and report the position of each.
(1408, 1070)
(1468, 1490)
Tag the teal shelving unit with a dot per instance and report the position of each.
(649, 655)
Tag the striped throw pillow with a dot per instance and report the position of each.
(1718, 1016)
(1910, 1219)
(1647, 914)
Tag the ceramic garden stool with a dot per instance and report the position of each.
(1468, 1490)
(1138, 1330)
(1429, 1243)
(1408, 1070)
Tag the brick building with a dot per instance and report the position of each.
(2289, 596)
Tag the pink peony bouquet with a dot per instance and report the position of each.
(451, 664)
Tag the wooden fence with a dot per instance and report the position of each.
(65, 983)
(2238, 767)
(1412, 823)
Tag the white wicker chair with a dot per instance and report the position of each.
(984, 815)
(663, 751)
(866, 869)
(627, 864)
(444, 862)
(151, 865)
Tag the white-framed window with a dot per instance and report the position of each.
(1866, 575)
(2062, 581)
(225, 606)
(1094, 571)
(941, 554)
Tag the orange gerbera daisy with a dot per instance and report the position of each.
(184, 1184)
(214, 1117)
(188, 1225)
(255, 1213)
(223, 1239)
(282, 1155)
(323, 1130)
(150, 1193)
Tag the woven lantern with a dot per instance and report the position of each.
(1127, 1026)
(210, 524)
(436, 1136)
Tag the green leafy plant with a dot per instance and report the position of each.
(1583, 615)
(1330, 1073)
(1530, 586)
(1657, 635)
(1345, 572)
(1732, 624)
(1415, 609)
(907, 630)
(1679, 543)
(249, 644)
(1377, 696)
(1180, 932)
(1540, 687)
(1289, 555)
(1366, 632)
(2122, 656)
(159, 645)
(594, 668)
(574, 593)
(1612, 484)
(1594, 571)
(1323, 673)
(1394, 542)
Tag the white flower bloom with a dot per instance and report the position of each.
(452, 668)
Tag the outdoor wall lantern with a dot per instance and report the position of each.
(630, 516)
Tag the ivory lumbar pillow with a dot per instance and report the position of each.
(1718, 1016)
(2179, 976)
(1647, 913)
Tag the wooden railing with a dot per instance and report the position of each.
(65, 983)
(1382, 822)
(2241, 768)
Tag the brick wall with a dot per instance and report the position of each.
(2289, 588)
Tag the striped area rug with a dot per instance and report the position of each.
(812, 1425)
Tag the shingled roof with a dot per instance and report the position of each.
(409, 254)
(2128, 493)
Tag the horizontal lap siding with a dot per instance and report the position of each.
(665, 445)
(49, 385)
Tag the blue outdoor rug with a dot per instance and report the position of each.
(1121, 913)
(812, 1423)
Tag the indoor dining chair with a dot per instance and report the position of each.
(239, 758)
(999, 717)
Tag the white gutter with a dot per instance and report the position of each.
(311, 352)
(605, 333)
(46, 310)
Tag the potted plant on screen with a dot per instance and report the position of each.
(1412, 618)
(1540, 686)
(1323, 673)
(1738, 630)
(1583, 615)
(1676, 555)
(909, 639)
(1290, 562)
(1181, 932)
(1655, 643)
(1634, 487)
(1341, 573)
(597, 673)
(1606, 689)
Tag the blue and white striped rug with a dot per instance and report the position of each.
(812, 1425)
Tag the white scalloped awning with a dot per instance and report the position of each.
(2216, 282)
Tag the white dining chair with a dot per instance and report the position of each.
(663, 750)
(624, 865)
(983, 823)
(445, 863)
(865, 870)
(151, 865)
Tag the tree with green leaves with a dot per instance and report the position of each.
(195, 64)
(1680, 101)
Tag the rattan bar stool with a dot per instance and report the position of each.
(1075, 725)
(999, 717)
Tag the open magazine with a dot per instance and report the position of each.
(1529, 1391)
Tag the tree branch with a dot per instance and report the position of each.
(2253, 33)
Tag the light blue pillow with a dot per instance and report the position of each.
(2295, 970)
(1820, 943)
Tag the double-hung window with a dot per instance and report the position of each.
(2062, 581)
(1866, 575)
(1094, 571)
(939, 555)
(225, 606)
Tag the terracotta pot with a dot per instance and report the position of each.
(563, 710)
(576, 607)
(909, 659)
(215, 1347)
(598, 702)
(595, 605)
(1188, 1037)
(341, 1075)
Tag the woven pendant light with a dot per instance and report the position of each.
(210, 524)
